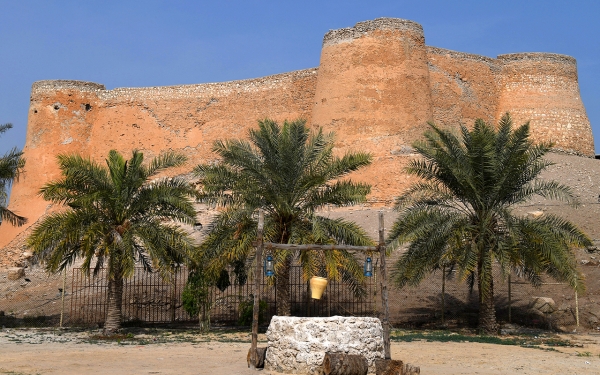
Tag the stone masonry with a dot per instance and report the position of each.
(298, 345)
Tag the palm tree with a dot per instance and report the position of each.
(289, 172)
(11, 165)
(462, 212)
(115, 215)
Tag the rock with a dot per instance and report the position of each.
(565, 307)
(535, 214)
(562, 329)
(542, 305)
(593, 249)
(403, 150)
(509, 329)
(298, 345)
(15, 273)
(27, 255)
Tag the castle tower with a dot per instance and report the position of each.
(543, 88)
(60, 119)
(373, 91)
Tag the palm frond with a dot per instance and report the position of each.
(164, 161)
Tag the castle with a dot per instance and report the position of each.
(376, 86)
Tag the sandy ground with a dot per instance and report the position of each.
(46, 352)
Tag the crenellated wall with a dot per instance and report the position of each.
(377, 86)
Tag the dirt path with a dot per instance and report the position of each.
(452, 358)
(30, 352)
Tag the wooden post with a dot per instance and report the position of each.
(509, 299)
(255, 308)
(576, 304)
(384, 290)
(62, 298)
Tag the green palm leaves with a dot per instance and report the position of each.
(11, 165)
(289, 172)
(460, 214)
(116, 215)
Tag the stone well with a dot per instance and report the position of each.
(298, 345)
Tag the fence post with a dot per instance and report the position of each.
(443, 294)
(62, 302)
(174, 295)
(576, 304)
(509, 300)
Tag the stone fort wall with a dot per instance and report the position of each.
(377, 86)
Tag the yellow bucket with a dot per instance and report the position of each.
(317, 286)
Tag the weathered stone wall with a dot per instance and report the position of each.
(377, 86)
(463, 87)
(543, 88)
(72, 116)
(373, 91)
(298, 345)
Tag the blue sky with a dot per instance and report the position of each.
(156, 43)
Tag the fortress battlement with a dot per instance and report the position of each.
(253, 85)
(361, 28)
(59, 84)
(462, 55)
(539, 57)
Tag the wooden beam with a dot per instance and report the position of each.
(253, 360)
(384, 289)
(281, 246)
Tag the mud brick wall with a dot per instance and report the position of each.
(377, 86)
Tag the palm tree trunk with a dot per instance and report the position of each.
(487, 311)
(115, 299)
(204, 318)
(283, 289)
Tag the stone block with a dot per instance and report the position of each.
(15, 273)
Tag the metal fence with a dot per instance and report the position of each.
(150, 299)
(426, 305)
(147, 297)
(39, 299)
